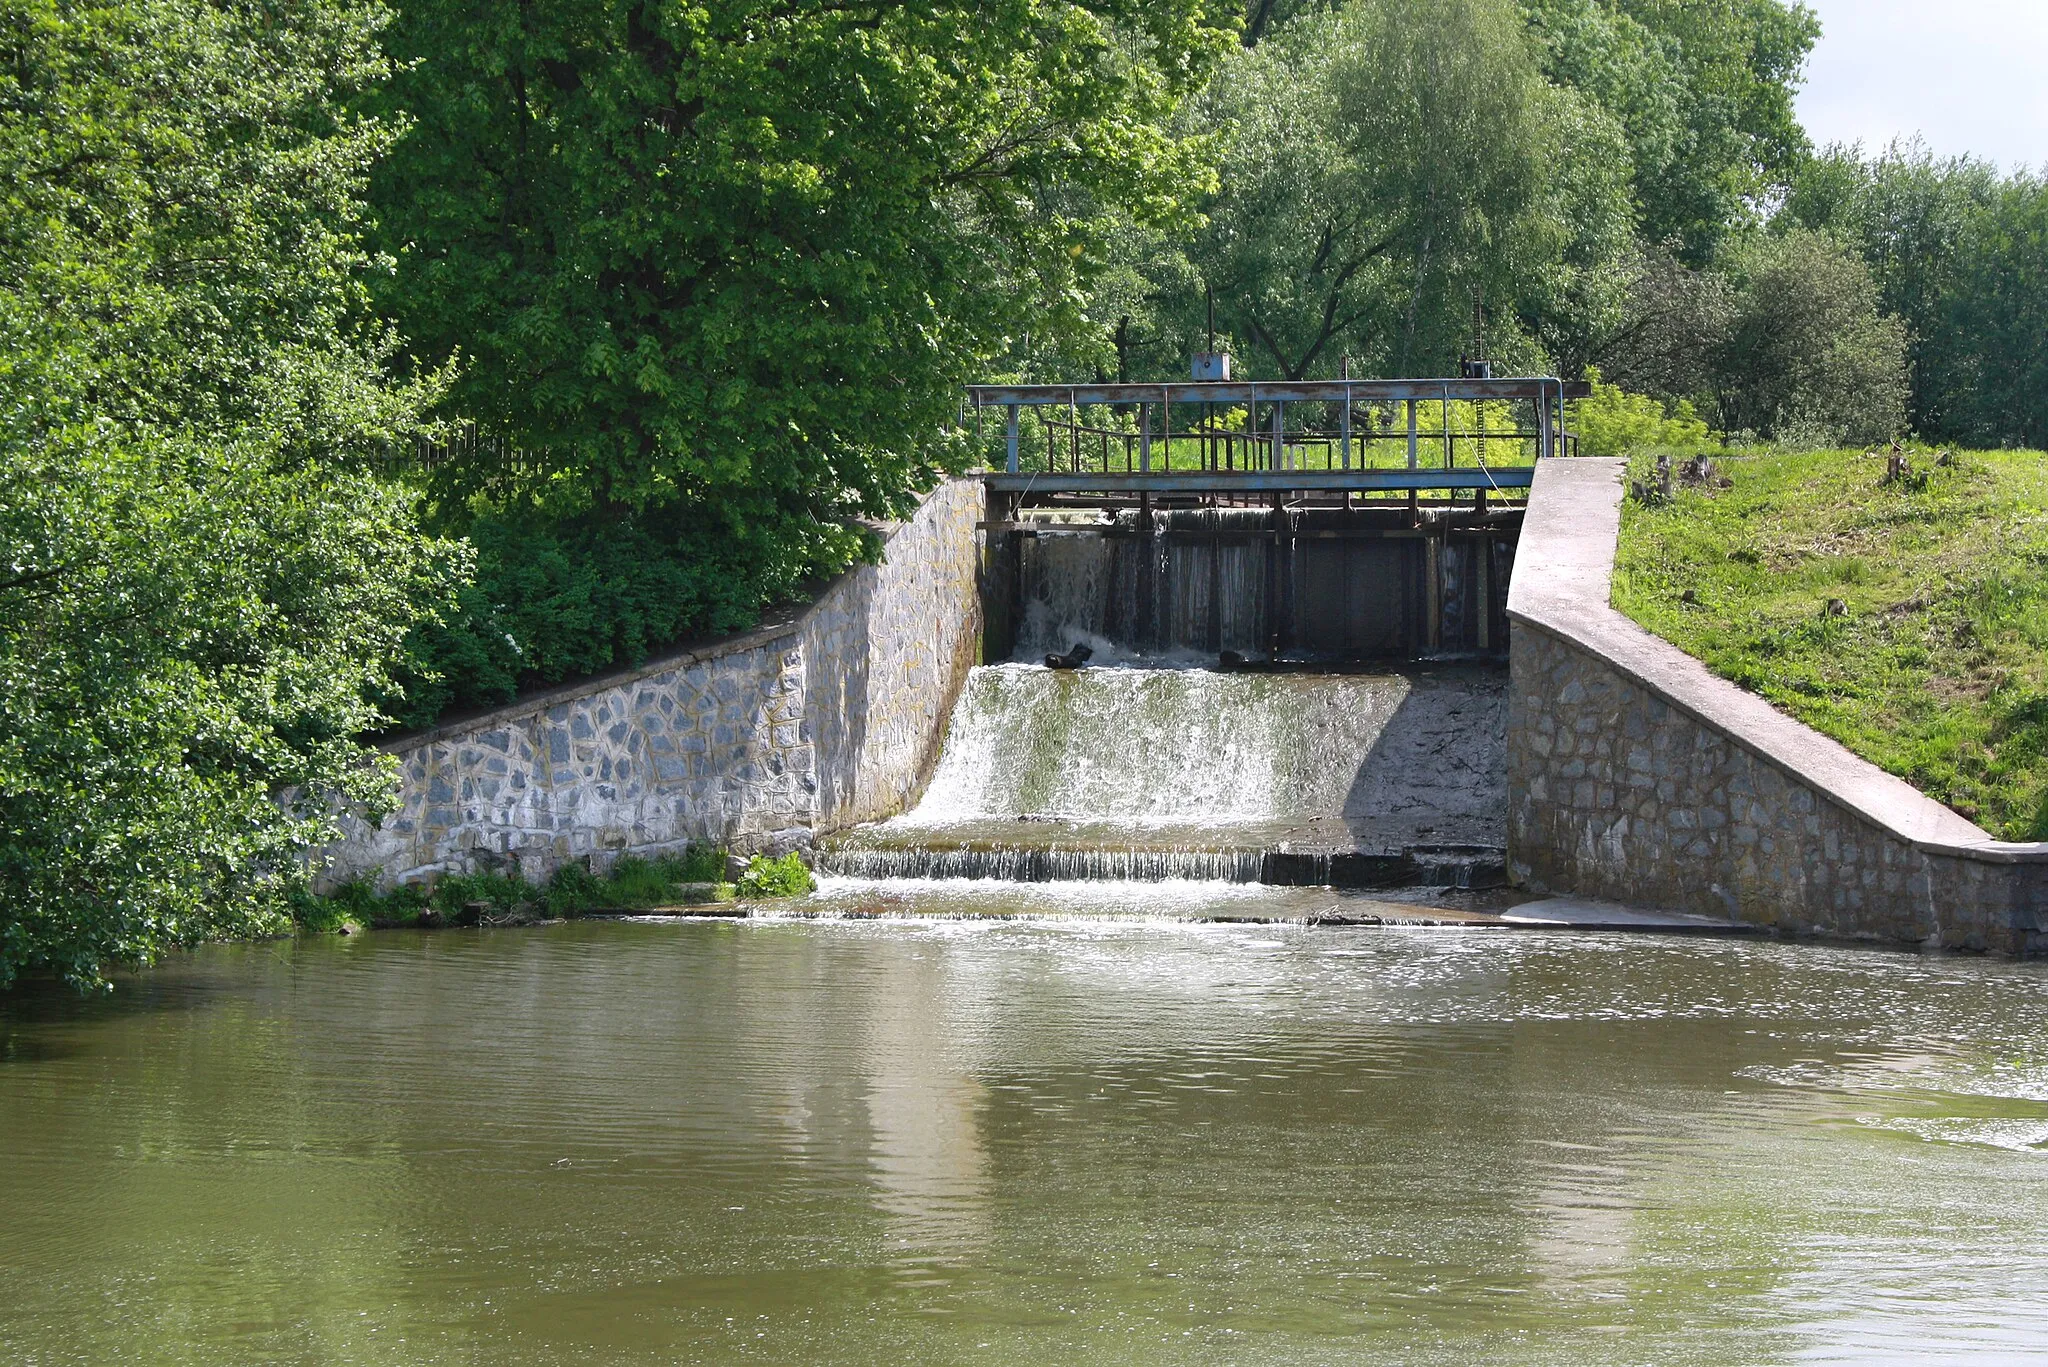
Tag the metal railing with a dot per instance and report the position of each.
(1078, 448)
(1338, 424)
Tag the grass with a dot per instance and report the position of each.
(1908, 620)
(634, 884)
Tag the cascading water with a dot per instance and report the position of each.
(1149, 775)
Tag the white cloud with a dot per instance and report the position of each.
(1966, 74)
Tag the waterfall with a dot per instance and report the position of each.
(1156, 774)
(1156, 746)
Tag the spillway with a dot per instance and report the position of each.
(1153, 774)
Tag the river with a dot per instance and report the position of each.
(1109, 1139)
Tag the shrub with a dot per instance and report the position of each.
(1613, 422)
(785, 876)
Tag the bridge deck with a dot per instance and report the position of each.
(1262, 481)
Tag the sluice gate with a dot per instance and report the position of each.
(1299, 581)
(1310, 521)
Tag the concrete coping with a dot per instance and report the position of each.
(780, 626)
(1563, 584)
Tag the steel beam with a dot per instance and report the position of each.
(1262, 481)
(1288, 391)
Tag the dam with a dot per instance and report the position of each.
(1295, 641)
(1339, 634)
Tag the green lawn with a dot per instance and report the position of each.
(1909, 623)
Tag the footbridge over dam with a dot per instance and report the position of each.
(1315, 521)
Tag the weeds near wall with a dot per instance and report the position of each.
(693, 878)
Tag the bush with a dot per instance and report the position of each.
(555, 600)
(785, 876)
(633, 884)
(1809, 360)
(1613, 422)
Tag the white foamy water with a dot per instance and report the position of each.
(1193, 747)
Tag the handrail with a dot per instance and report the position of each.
(1537, 387)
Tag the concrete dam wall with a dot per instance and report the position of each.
(1387, 745)
(1636, 775)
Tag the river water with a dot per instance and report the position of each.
(1107, 1140)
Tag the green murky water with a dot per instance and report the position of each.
(941, 1141)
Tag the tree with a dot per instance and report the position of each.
(731, 264)
(1669, 332)
(199, 576)
(1993, 347)
(722, 271)
(1704, 89)
(1947, 241)
(1386, 165)
(1809, 356)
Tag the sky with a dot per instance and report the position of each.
(1965, 74)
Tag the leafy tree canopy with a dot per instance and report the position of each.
(198, 580)
(739, 258)
(1388, 164)
(1956, 249)
(722, 270)
(1705, 91)
(1808, 356)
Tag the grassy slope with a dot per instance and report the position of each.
(1938, 671)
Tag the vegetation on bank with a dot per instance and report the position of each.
(696, 877)
(1905, 617)
(361, 359)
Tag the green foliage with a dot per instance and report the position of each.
(1957, 251)
(198, 581)
(1386, 162)
(1808, 355)
(1936, 666)
(634, 884)
(1704, 90)
(1783, 339)
(769, 876)
(1612, 422)
(556, 599)
(721, 271)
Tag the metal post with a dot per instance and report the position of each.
(1448, 454)
(1073, 432)
(1411, 433)
(1166, 423)
(1251, 425)
(1280, 460)
(1344, 421)
(1011, 437)
(1543, 447)
(1145, 438)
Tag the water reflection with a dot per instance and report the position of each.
(1090, 1140)
(931, 1172)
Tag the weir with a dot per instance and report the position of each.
(1155, 774)
(1295, 612)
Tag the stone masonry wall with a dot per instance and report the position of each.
(1634, 775)
(1615, 793)
(761, 741)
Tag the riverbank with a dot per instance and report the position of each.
(696, 877)
(1905, 618)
